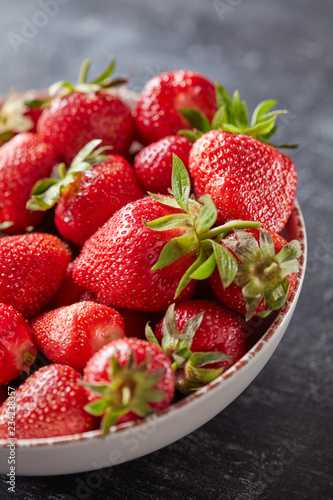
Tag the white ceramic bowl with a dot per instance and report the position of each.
(90, 451)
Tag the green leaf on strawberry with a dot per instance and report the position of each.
(232, 116)
(188, 366)
(63, 87)
(130, 389)
(46, 192)
(207, 215)
(176, 249)
(262, 274)
(198, 219)
(13, 117)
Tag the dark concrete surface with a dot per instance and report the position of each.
(275, 441)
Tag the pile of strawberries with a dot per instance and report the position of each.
(136, 244)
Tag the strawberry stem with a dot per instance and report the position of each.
(84, 71)
(226, 228)
(175, 366)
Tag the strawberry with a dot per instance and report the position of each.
(70, 335)
(90, 178)
(116, 262)
(17, 349)
(157, 112)
(79, 213)
(246, 177)
(49, 403)
(78, 114)
(32, 267)
(128, 379)
(23, 161)
(131, 261)
(266, 274)
(202, 338)
(153, 164)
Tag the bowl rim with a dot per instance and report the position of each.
(229, 374)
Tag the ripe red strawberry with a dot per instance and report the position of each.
(202, 338)
(157, 112)
(49, 403)
(233, 161)
(80, 212)
(24, 160)
(153, 164)
(32, 267)
(84, 112)
(266, 275)
(245, 178)
(128, 379)
(17, 350)
(92, 177)
(70, 335)
(146, 255)
(116, 262)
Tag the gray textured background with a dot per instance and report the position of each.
(275, 441)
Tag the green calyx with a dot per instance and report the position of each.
(46, 192)
(131, 389)
(188, 366)
(13, 119)
(200, 237)
(262, 273)
(63, 87)
(232, 116)
(102, 81)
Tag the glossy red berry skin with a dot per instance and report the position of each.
(70, 335)
(24, 160)
(157, 112)
(153, 164)
(94, 197)
(220, 330)
(246, 179)
(50, 403)
(17, 349)
(32, 268)
(116, 262)
(72, 121)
